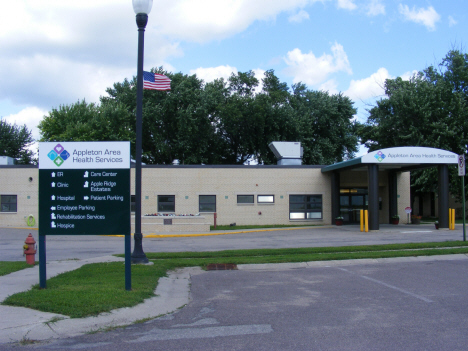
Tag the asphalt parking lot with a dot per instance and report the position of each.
(384, 304)
(380, 305)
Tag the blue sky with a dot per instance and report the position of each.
(56, 52)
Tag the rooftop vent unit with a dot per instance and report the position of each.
(287, 152)
(6, 160)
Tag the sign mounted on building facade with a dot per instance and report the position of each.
(411, 155)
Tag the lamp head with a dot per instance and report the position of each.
(142, 6)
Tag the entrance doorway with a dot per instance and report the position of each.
(352, 201)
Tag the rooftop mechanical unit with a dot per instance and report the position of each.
(6, 160)
(287, 152)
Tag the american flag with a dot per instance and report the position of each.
(156, 81)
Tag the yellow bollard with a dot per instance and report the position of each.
(450, 219)
(453, 219)
(362, 220)
(366, 213)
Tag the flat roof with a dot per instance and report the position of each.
(132, 165)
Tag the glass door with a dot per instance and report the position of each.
(352, 201)
(345, 208)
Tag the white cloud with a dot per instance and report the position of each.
(205, 20)
(212, 73)
(312, 70)
(331, 86)
(30, 116)
(375, 8)
(48, 81)
(452, 21)
(259, 74)
(299, 17)
(409, 75)
(427, 17)
(369, 87)
(63, 51)
(346, 4)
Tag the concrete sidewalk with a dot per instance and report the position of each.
(18, 323)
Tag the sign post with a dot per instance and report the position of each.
(408, 211)
(461, 173)
(84, 189)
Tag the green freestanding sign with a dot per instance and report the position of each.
(84, 189)
(87, 202)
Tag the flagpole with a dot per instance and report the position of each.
(138, 256)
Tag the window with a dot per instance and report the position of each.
(207, 203)
(132, 203)
(305, 206)
(245, 199)
(8, 203)
(265, 199)
(166, 203)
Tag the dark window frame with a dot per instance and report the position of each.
(8, 206)
(246, 202)
(306, 206)
(200, 204)
(166, 203)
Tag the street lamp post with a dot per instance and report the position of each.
(142, 8)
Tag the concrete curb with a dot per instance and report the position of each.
(337, 263)
(199, 234)
(18, 323)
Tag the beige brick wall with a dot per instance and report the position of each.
(187, 183)
(404, 195)
(15, 181)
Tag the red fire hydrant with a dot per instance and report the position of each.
(29, 250)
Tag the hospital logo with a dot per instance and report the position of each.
(58, 155)
(379, 156)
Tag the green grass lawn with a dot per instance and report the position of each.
(7, 267)
(100, 287)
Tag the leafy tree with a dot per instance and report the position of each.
(428, 110)
(324, 125)
(275, 113)
(176, 124)
(221, 122)
(81, 121)
(14, 142)
(236, 123)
